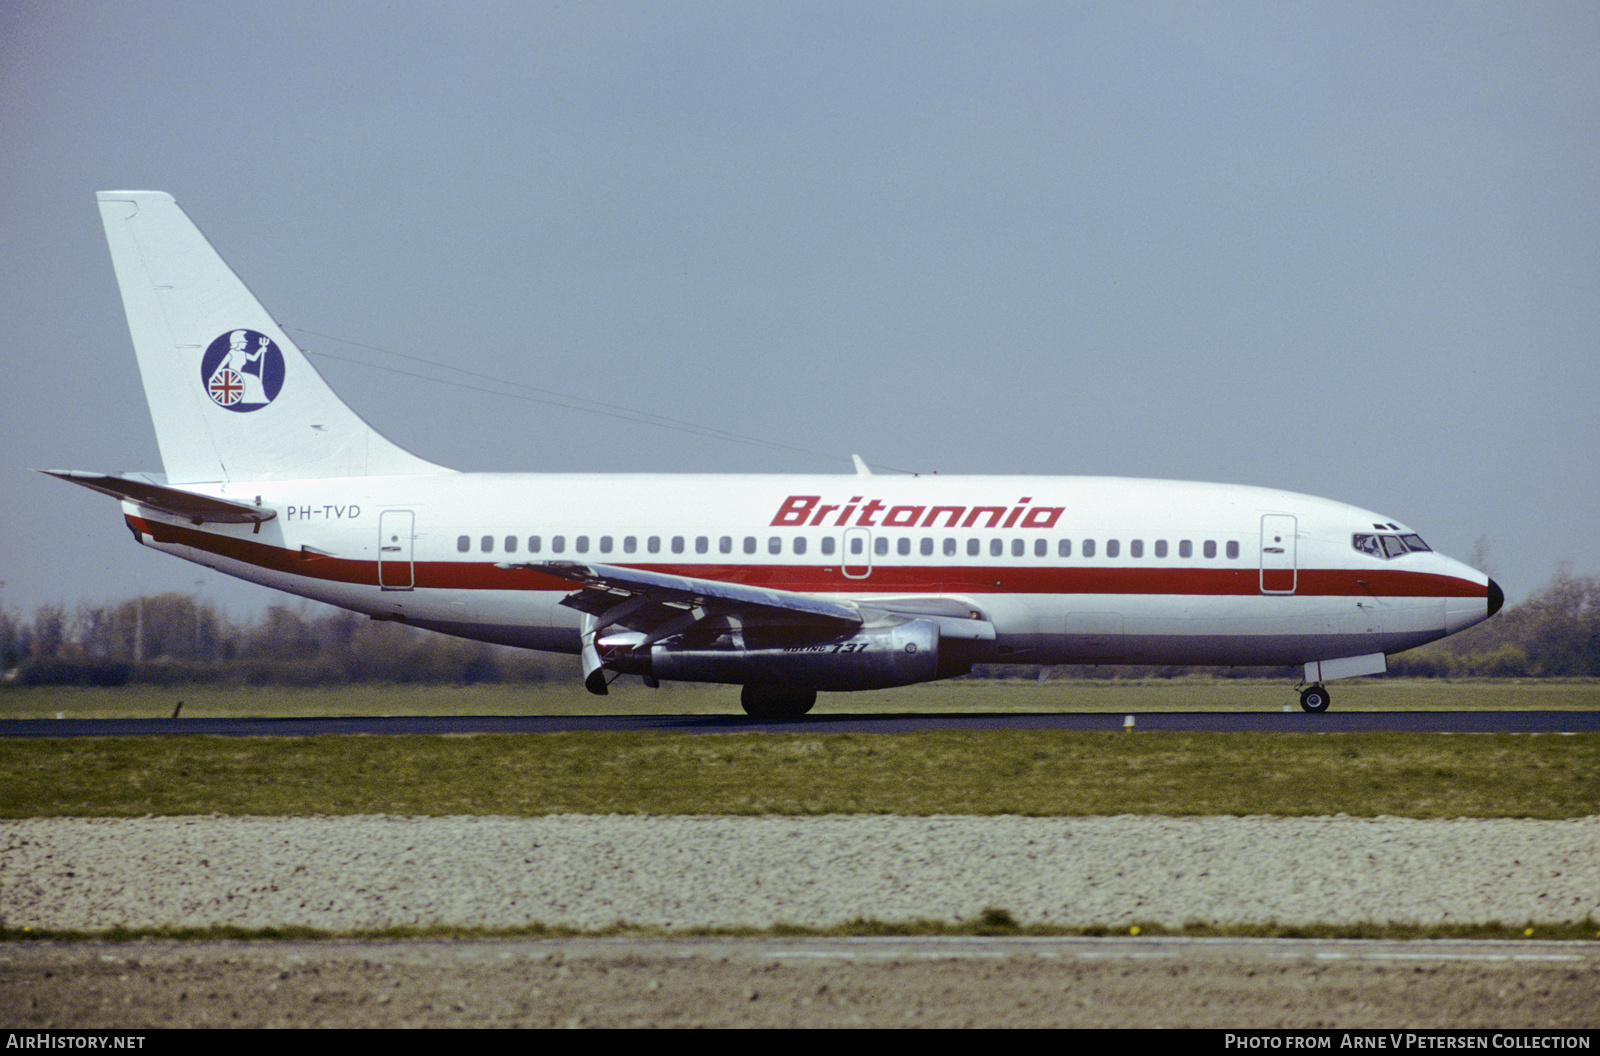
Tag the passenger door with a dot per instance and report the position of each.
(395, 529)
(1277, 554)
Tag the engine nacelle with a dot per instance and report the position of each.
(875, 657)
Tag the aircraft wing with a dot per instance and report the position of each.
(658, 605)
(642, 601)
(198, 509)
(605, 586)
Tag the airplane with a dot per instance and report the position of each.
(786, 585)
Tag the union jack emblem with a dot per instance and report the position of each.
(226, 387)
(242, 371)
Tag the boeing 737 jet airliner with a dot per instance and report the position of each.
(785, 585)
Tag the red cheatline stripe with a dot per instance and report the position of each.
(961, 579)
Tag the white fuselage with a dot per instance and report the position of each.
(1066, 569)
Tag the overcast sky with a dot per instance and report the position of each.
(1346, 249)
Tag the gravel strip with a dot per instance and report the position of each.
(365, 872)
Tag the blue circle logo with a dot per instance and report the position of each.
(242, 370)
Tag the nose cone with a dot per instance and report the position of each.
(1465, 610)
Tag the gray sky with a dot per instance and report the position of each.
(1346, 249)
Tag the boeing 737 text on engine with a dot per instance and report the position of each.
(785, 585)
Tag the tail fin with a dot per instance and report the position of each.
(231, 396)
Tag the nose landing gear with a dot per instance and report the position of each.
(1315, 699)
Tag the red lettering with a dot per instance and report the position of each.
(866, 513)
(801, 510)
(795, 510)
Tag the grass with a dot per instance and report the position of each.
(978, 772)
(629, 697)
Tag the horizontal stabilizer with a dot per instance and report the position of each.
(198, 509)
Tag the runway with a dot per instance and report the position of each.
(1160, 721)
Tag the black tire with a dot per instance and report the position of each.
(777, 702)
(1315, 699)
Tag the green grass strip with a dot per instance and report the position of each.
(1049, 773)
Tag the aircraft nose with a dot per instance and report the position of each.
(1497, 597)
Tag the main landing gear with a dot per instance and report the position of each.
(777, 702)
(1315, 699)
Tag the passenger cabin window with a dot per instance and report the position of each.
(533, 544)
(800, 544)
(629, 544)
(827, 544)
(702, 544)
(1064, 548)
(486, 544)
(1088, 548)
(1113, 547)
(1210, 549)
(1233, 550)
(1161, 548)
(511, 544)
(582, 544)
(1135, 547)
(1185, 548)
(463, 543)
(558, 543)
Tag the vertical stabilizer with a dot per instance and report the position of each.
(231, 395)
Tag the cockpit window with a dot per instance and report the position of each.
(1388, 546)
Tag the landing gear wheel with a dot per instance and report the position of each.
(777, 702)
(1315, 699)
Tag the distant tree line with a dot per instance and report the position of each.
(175, 638)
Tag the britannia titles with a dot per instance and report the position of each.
(800, 511)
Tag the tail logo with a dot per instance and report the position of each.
(242, 370)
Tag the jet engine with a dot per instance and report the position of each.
(894, 653)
